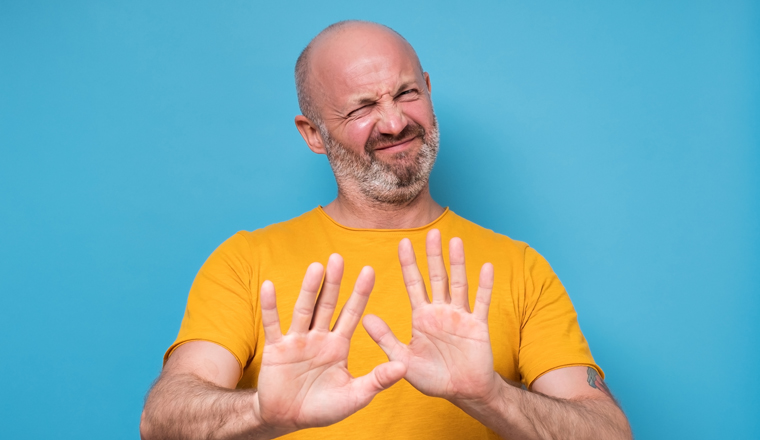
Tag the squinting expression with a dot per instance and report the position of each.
(379, 128)
(394, 181)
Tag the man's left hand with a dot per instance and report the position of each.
(449, 355)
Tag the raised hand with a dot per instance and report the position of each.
(449, 354)
(304, 381)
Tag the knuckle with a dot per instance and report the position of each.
(438, 277)
(352, 312)
(412, 282)
(459, 284)
(327, 304)
(304, 311)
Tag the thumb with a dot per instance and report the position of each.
(388, 374)
(379, 379)
(383, 335)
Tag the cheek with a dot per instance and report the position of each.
(359, 131)
(363, 125)
(420, 112)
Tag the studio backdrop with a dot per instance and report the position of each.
(619, 139)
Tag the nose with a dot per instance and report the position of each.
(392, 120)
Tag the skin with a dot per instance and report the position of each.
(304, 380)
(372, 84)
(370, 89)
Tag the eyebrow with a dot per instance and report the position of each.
(371, 100)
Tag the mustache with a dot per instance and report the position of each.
(380, 140)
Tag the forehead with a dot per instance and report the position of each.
(363, 63)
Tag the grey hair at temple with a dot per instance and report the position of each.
(305, 95)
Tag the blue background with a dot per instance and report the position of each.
(620, 139)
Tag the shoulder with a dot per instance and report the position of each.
(290, 229)
(485, 238)
(243, 244)
(305, 222)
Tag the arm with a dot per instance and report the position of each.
(195, 398)
(450, 356)
(581, 414)
(304, 381)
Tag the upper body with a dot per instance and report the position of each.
(532, 325)
(366, 105)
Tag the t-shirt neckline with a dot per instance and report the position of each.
(322, 212)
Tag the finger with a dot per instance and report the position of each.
(483, 298)
(415, 287)
(459, 286)
(328, 297)
(379, 379)
(439, 279)
(269, 316)
(304, 307)
(379, 331)
(354, 308)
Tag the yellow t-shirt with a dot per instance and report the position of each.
(532, 322)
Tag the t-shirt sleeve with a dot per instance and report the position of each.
(220, 306)
(550, 337)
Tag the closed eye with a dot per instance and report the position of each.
(359, 111)
(410, 93)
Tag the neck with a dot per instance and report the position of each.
(356, 211)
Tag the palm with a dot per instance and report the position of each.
(449, 354)
(304, 380)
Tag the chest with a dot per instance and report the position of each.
(389, 300)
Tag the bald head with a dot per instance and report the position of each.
(343, 40)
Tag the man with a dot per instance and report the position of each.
(233, 374)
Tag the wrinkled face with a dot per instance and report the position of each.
(396, 179)
(378, 125)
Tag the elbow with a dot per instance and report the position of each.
(147, 427)
(628, 432)
(145, 433)
(624, 426)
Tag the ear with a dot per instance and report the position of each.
(310, 133)
(427, 81)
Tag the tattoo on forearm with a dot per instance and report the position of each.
(595, 381)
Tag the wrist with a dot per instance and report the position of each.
(259, 427)
(495, 404)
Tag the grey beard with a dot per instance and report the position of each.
(381, 181)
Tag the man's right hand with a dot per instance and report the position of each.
(304, 380)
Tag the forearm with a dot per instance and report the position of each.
(518, 414)
(183, 406)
